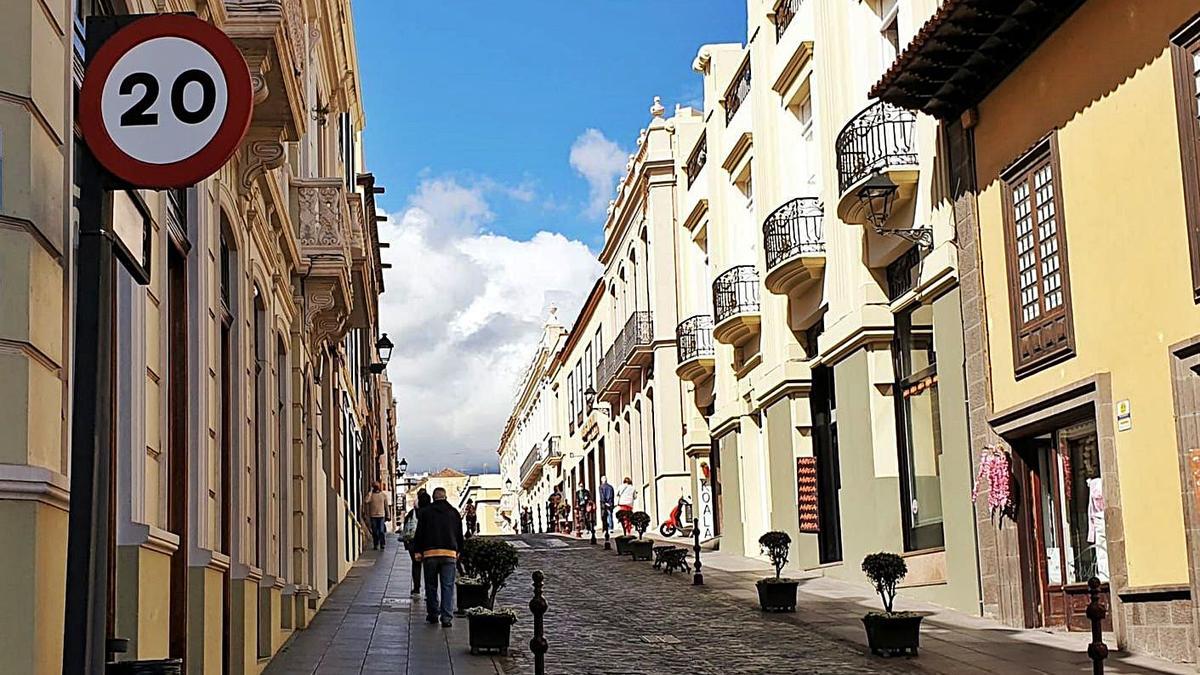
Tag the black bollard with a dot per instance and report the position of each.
(1097, 651)
(697, 578)
(539, 527)
(593, 524)
(537, 644)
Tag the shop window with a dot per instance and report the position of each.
(918, 427)
(1038, 282)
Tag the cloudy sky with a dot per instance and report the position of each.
(499, 130)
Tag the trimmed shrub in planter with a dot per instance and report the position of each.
(890, 632)
(495, 560)
(490, 630)
(470, 590)
(776, 594)
(641, 549)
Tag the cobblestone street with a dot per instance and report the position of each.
(613, 616)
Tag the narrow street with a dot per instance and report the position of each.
(612, 616)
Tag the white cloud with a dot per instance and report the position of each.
(465, 309)
(600, 161)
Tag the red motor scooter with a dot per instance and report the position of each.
(679, 521)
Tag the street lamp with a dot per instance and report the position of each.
(384, 347)
(508, 485)
(403, 466)
(878, 196)
(589, 396)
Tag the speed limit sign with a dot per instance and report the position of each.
(165, 101)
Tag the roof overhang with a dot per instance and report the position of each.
(965, 50)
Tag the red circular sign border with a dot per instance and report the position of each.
(215, 153)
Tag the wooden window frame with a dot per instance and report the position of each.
(1050, 349)
(1185, 43)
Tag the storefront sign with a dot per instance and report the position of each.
(806, 494)
(1124, 415)
(707, 529)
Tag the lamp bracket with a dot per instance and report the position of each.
(921, 236)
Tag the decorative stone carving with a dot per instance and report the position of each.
(322, 211)
(259, 156)
(326, 309)
(657, 109)
(296, 32)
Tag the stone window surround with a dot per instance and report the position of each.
(1090, 396)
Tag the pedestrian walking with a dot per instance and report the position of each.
(555, 503)
(376, 508)
(626, 495)
(469, 515)
(438, 540)
(607, 499)
(409, 535)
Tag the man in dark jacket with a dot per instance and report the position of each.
(438, 540)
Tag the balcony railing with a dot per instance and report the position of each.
(880, 136)
(694, 338)
(697, 160)
(737, 92)
(531, 462)
(735, 292)
(638, 332)
(796, 228)
(784, 13)
(554, 449)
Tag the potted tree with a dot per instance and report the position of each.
(889, 632)
(776, 594)
(623, 539)
(641, 549)
(470, 589)
(489, 627)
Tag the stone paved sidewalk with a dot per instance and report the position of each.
(371, 624)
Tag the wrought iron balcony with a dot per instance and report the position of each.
(736, 304)
(880, 137)
(694, 346)
(696, 162)
(738, 91)
(794, 240)
(785, 11)
(531, 467)
(627, 353)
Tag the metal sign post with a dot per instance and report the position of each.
(165, 102)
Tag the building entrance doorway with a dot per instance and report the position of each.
(1062, 525)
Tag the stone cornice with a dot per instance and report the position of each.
(21, 482)
(150, 538)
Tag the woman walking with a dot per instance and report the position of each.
(409, 532)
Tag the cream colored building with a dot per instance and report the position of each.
(248, 424)
(828, 416)
(486, 491)
(530, 446)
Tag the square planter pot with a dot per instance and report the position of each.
(470, 595)
(489, 633)
(623, 544)
(642, 549)
(895, 634)
(777, 596)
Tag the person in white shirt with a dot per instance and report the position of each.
(625, 498)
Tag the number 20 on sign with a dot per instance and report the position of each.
(165, 101)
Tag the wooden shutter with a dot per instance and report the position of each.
(1185, 54)
(1038, 282)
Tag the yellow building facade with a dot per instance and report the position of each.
(249, 421)
(1074, 187)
